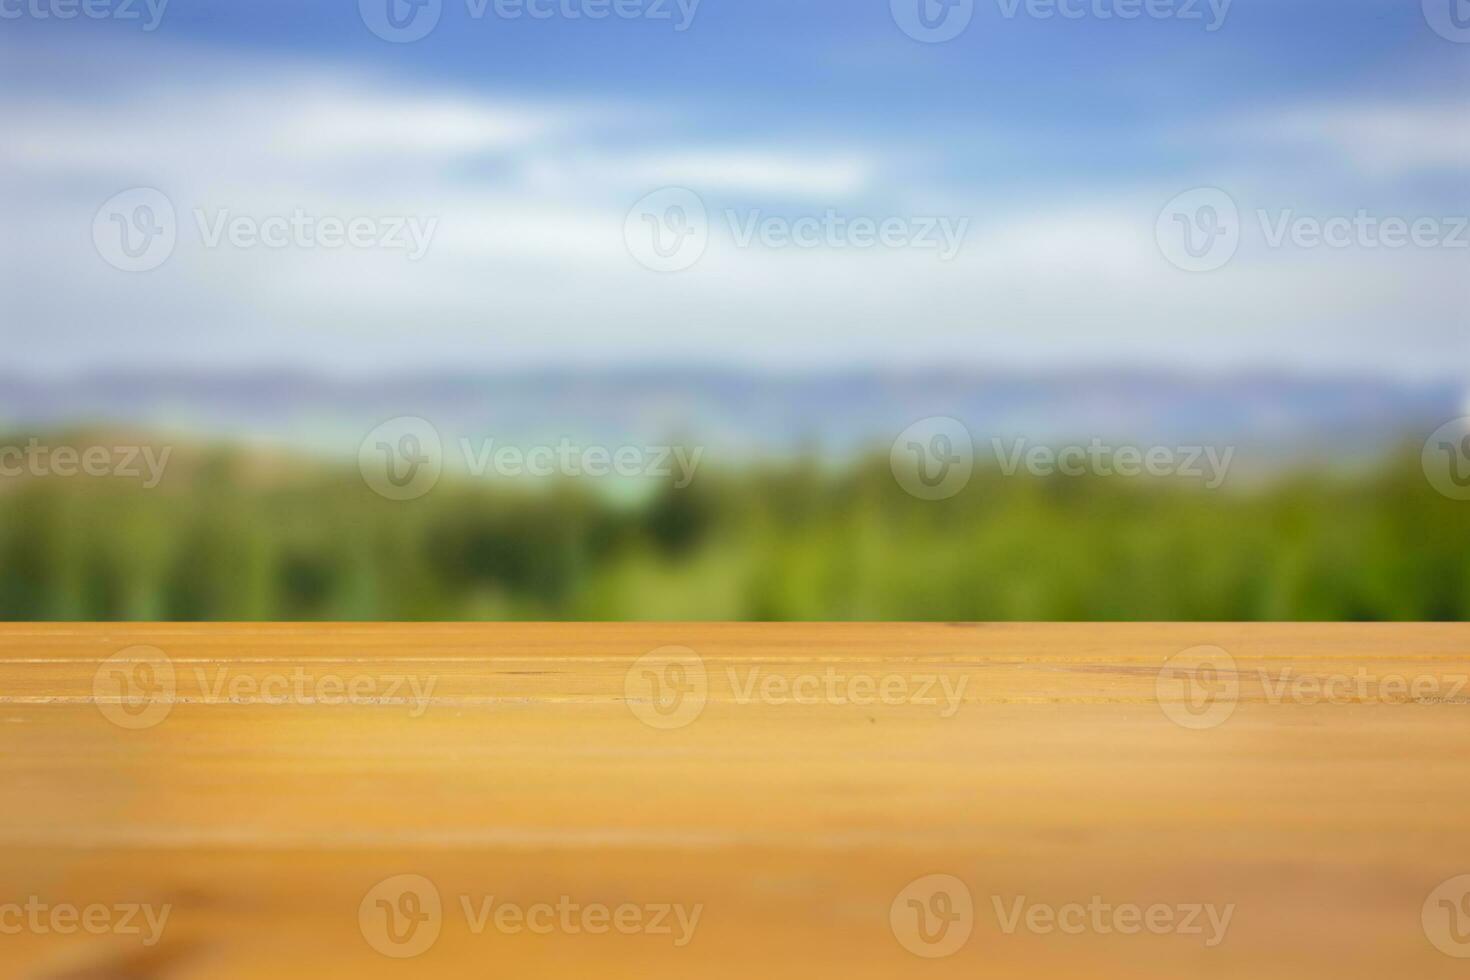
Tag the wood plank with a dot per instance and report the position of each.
(262, 782)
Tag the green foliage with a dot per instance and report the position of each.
(776, 543)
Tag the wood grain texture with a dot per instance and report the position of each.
(789, 782)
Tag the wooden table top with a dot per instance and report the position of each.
(702, 800)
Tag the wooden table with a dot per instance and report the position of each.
(1271, 801)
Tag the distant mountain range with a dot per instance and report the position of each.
(742, 415)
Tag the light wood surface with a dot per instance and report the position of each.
(262, 782)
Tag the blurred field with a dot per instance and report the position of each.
(233, 535)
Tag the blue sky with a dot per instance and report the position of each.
(1057, 141)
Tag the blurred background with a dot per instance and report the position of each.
(777, 309)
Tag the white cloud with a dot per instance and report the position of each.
(768, 172)
(283, 129)
(1380, 139)
(528, 263)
